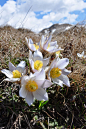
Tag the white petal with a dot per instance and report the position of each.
(57, 81)
(29, 98)
(12, 79)
(21, 66)
(32, 65)
(37, 55)
(65, 71)
(47, 84)
(39, 82)
(79, 55)
(40, 75)
(23, 92)
(7, 73)
(11, 67)
(82, 53)
(85, 56)
(30, 55)
(24, 80)
(65, 79)
(31, 46)
(42, 40)
(53, 43)
(40, 94)
(46, 61)
(46, 44)
(62, 63)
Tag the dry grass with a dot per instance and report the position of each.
(68, 108)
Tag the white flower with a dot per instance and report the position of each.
(31, 45)
(14, 73)
(81, 55)
(58, 73)
(37, 62)
(32, 86)
(48, 46)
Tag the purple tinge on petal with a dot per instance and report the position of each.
(37, 55)
(23, 92)
(46, 61)
(57, 81)
(65, 71)
(29, 98)
(11, 67)
(12, 79)
(40, 75)
(21, 66)
(7, 73)
(31, 46)
(40, 94)
(62, 63)
(65, 79)
(47, 84)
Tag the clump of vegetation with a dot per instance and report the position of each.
(66, 107)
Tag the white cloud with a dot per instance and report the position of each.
(52, 11)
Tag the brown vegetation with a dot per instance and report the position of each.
(66, 106)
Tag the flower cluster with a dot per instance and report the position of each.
(44, 70)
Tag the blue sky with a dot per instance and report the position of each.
(42, 13)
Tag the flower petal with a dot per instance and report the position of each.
(47, 84)
(57, 81)
(62, 63)
(21, 66)
(23, 92)
(30, 55)
(40, 94)
(65, 79)
(12, 79)
(46, 61)
(82, 53)
(11, 67)
(37, 55)
(79, 55)
(65, 71)
(7, 73)
(31, 46)
(24, 79)
(29, 98)
(39, 82)
(40, 75)
(46, 44)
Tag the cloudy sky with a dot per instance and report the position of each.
(39, 14)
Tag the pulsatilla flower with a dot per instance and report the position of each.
(81, 55)
(37, 62)
(47, 46)
(32, 86)
(14, 73)
(58, 73)
(31, 45)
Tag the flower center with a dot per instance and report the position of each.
(55, 72)
(31, 86)
(16, 74)
(38, 64)
(36, 46)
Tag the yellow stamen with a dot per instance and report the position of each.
(58, 52)
(36, 46)
(38, 64)
(48, 46)
(31, 86)
(16, 74)
(55, 72)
